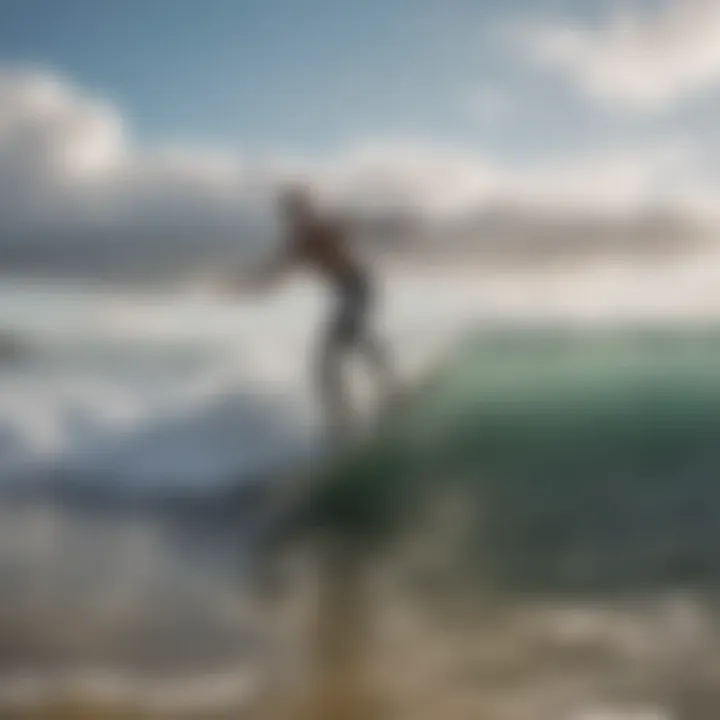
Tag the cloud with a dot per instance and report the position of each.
(442, 183)
(77, 195)
(75, 189)
(635, 61)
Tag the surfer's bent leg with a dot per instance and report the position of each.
(370, 344)
(330, 380)
(349, 330)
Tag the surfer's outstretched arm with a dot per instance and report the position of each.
(274, 270)
(251, 280)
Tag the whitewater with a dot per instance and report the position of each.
(149, 390)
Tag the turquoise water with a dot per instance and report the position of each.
(589, 460)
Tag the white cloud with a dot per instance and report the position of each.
(620, 180)
(443, 182)
(75, 192)
(636, 61)
(73, 184)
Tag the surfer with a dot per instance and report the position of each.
(322, 244)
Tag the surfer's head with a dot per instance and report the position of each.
(296, 203)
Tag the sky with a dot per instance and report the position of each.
(303, 75)
(141, 126)
(309, 75)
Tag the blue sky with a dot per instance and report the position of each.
(449, 106)
(307, 75)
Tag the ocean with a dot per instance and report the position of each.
(135, 423)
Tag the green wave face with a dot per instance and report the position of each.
(589, 461)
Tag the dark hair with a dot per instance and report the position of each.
(295, 193)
